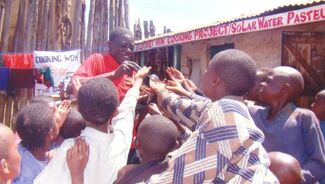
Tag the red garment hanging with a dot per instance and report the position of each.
(18, 60)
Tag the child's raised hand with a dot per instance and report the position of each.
(142, 73)
(177, 88)
(154, 109)
(77, 159)
(175, 75)
(76, 84)
(189, 84)
(157, 86)
(128, 81)
(62, 112)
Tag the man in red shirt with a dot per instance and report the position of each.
(115, 65)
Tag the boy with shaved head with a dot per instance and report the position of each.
(252, 94)
(225, 146)
(285, 167)
(9, 156)
(286, 127)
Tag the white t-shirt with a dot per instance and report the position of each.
(108, 152)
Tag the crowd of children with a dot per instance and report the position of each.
(183, 134)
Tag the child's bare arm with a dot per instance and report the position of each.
(77, 159)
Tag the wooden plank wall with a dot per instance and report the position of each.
(10, 104)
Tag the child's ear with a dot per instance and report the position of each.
(52, 135)
(216, 80)
(136, 143)
(115, 113)
(177, 145)
(4, 166)
(286, 88)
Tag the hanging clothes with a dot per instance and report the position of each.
(21, 78)
(4, 78)
(18, 60)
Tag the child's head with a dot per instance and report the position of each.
(285, 167)
(97, 100)
(260, 75)
(44, 99)
(73, 125)
(36, 126)
(318, 106)
(157, 136)
(9, 156)
(230, 72)
(282, 84)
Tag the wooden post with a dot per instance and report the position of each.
(126, 13)
(121, 22)
(20, 26)
(2, 15)
(82, 32)
(104, 30)
(90, 28)
(76, 17)
(112, 15)
(51, 43)
(6, 27)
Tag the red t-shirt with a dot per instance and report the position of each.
(97, 64)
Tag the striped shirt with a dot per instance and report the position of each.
(225, 146)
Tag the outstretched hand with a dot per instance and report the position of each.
(157, 86)
(62, 112)
(175, 75)
(177, 88)
(126, 68)
(154, 109)
(142, 73)
(76, 84)
(77, 159)
(190, 85)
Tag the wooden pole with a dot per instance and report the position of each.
(112, 15)
(2, 15)
(126, 13)
(90, 28)
(76, 27)
(105, 19)
(82, 32)
(19, 34)
(6, 27)
(121, 22)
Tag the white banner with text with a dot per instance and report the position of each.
(61, 64)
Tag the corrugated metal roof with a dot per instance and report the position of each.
(281, 7)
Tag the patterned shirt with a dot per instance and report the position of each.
(225, 146)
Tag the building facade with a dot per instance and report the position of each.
(292, 35)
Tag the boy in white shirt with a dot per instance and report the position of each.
(109, 138)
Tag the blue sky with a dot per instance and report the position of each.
(184, 14)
